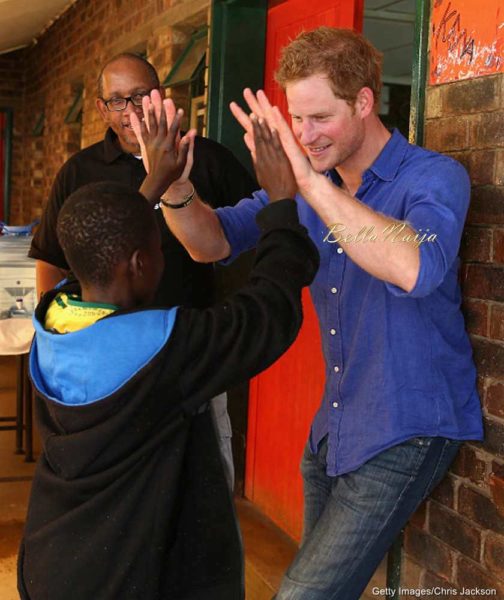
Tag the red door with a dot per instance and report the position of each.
(284, 399)
(3, 135)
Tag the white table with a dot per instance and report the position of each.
(15, 339)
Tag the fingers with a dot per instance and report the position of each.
(187, 140)
(241, 116)
(252, 102)
(262, 133)
(146, 102)
(157, 102)
(174, 129)
(170, 110)
(265, 107)
(138, 126)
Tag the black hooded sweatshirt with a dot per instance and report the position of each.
(129, 498)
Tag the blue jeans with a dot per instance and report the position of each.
(350, 521)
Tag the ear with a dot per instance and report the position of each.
(137, 264)
(365, 102)
(102, 109)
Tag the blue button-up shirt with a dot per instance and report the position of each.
(398, 364)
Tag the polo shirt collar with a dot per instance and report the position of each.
(112, 149)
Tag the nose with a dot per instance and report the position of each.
(305, 132)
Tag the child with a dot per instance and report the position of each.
(129, 499)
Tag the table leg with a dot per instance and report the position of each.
(19, 404)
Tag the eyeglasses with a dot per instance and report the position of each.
(117, 104)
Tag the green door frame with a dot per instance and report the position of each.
(419, 74)
(237, 45)
(8, 161)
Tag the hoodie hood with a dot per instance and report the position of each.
(91, 364)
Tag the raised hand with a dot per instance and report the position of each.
(272, 167)
(167, 158)
(262, 108)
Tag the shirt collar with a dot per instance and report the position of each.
(112, 149)
(386, 164)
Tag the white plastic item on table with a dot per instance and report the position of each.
(17, 277)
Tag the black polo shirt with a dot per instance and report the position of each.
(218, 177)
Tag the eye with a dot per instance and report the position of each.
(296, 119)
(115, 102)
(137, 98)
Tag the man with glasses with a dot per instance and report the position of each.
(217, 176)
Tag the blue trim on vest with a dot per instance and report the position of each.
(91, 364)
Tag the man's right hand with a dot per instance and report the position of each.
(166, 159)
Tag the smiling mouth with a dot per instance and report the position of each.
(315, 150)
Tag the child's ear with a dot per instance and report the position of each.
(137, 264)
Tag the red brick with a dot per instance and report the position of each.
(444, 493)
(451, 133)
(489, 358)
(430, 580)
(494, 554)
(470, 576)
(498, 246)
(428, 551)
(487, 130)
(497, 322)
(455, 531)
(494, 436)
(476, 316)
(494, 399)
(482, 165)
(479, 509)
(499, 168)
(419, 517)
(473, 96)
(487, 205)
(483, 281)
(411, 572)
(468, 464)
(476, 244)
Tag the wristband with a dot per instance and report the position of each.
(186, 200)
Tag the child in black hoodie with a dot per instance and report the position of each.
(129, 499)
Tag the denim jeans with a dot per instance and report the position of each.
(350, 521)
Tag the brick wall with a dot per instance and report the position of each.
(11, 96)
(69, 55)
(456, 539)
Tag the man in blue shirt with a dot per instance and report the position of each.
(387, 218)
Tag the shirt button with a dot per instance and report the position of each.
(333, 332)
(334, 290)
(339, 250)
(336, 369)
(335, 404)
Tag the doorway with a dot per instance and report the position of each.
(284, 398)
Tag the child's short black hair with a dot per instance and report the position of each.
(100, 225)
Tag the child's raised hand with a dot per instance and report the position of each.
(262, 108)
(272, 167)
(167, 158)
